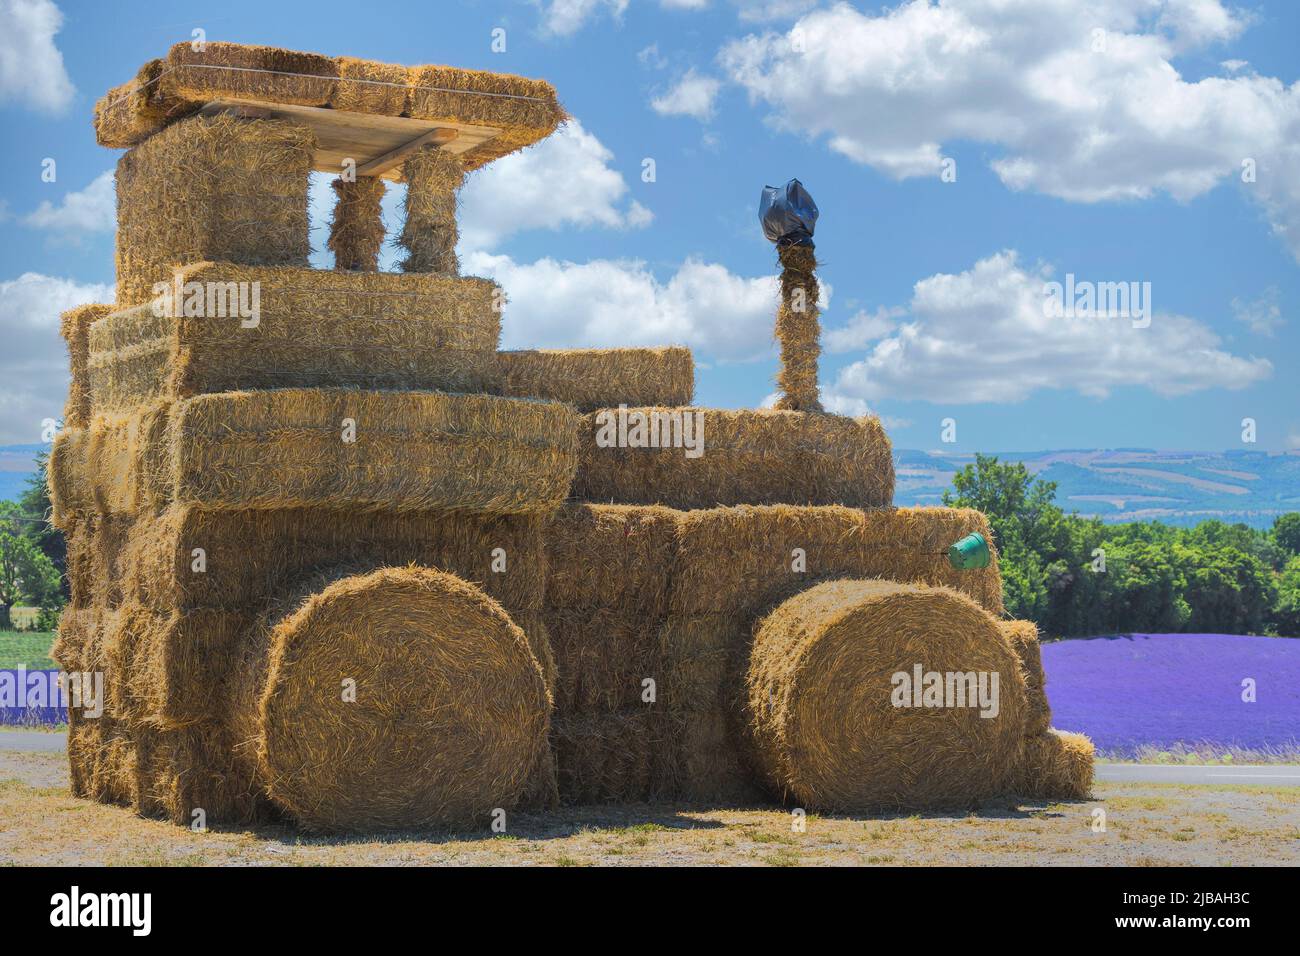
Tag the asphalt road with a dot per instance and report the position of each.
(1276, 775)
(33, 741)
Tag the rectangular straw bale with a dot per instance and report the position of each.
(174, 666)
(741, 560)
(95, 545)
(711, 766)
(253, 557)
(74, 325)
(1023, 638)
(259, 73)
(749, 457)
(366, 86)
(697, 659)
(193, 768)
(313, 328)
(612, 757)
(602, 656)
(412, 451)
(132, 112)
(211, 188)
(118, 464)
(524, 110)
(600, 378)
(615, 556)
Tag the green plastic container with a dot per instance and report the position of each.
(970, 553)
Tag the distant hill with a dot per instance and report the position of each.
(1124, 484)
(1133, 484)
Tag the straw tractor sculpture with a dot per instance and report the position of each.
(340, 561)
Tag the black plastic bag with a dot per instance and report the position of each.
(788, 214)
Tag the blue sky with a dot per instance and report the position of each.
(1103, 138)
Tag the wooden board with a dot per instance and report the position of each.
(362, 137)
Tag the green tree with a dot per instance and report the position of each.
(1286, 532)
(1286, 610)
(35, 504)
(26, 574)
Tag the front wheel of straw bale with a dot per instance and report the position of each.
(399, 698)
(833, 698)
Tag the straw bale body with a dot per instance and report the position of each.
(523, 111)
(229, 327)
(828, 729)
(211, 188)
(433, 177)
(448, 721)
(798, 330)
(598, 378)
(357, 226)
(1023, 637)
(1056, 766)
(338, 448)
(639, 456)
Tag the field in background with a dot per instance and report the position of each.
(1146, 825)
(1173, 697)
(30, 649)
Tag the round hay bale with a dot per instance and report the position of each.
(834, 725)
(1057, 766)
(448, 721)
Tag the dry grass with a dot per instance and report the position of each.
(1246, 826)
(599, 378)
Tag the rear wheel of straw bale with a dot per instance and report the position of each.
(400, 698)
(840, 721)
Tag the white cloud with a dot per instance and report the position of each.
(1263, 315)
(31, 66)
(693, 95)
(564, 182)
(683, 4)
(620, 302)
(93, 209)
(862, 329)
(893, 90)
(566, 17)
(34, 363)
(982, 336)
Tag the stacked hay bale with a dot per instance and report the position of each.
(301, 528)
(338, 558)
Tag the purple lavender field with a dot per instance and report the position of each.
(1140, 691)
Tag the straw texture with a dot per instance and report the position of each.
(820, 681)
(749, 457)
